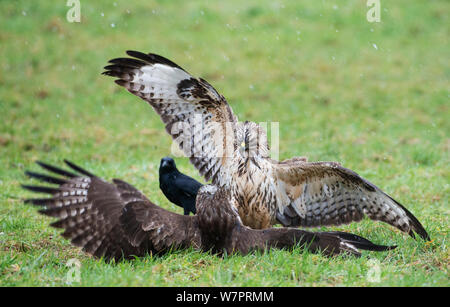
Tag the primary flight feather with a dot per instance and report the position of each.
(235, 155)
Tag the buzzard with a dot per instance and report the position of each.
(235, 155)
(116, 221)
(177, 187)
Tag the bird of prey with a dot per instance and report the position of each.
(177, 187)
(116, 221)
(235, 155)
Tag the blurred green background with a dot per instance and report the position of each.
(373, 96)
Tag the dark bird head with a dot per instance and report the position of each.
(167, 165)
(217, 217)
(217, 202)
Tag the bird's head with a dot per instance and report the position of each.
(251, 141)
(207, 197)
(217, 216)
(167, 165)
(208, 191)
(213, 201)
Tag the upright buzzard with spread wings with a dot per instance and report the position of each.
(236, 155)
(115, 220)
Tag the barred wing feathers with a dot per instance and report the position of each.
(325, 193)
(110, 220)
(190, 108)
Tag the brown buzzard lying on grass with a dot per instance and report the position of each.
(235, 155)
(115, 221)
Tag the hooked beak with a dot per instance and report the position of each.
(165, 162)
(243, 147)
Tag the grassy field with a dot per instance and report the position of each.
(374, 96)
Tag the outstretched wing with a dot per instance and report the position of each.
(101, 217)
(222, 230)
(329, 243)
(194, 113)
(325, 193)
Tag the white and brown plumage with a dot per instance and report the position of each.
(115, 221)
(236, 155)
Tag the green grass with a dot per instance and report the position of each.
(374, 96)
